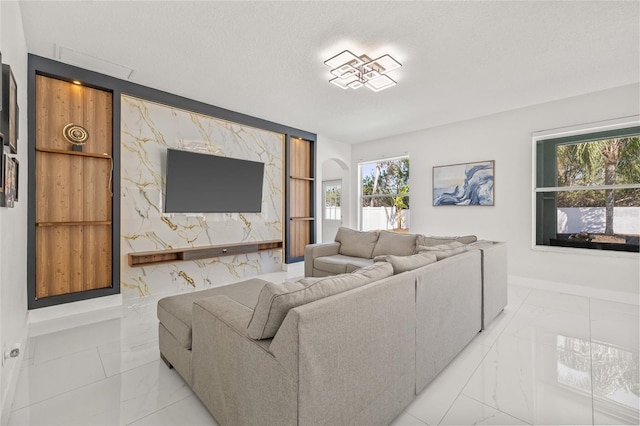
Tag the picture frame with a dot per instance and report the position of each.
(10, 109)
(9, 183)
(17, 176)
(464, 184)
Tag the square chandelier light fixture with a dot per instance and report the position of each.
(353, 72)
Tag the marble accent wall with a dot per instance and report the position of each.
(148, 129)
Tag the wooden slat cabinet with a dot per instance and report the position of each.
(73, 189)
(300, 197)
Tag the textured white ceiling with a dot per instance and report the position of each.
(460, 59)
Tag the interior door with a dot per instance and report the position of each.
(332, 209)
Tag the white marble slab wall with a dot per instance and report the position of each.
(148, 129)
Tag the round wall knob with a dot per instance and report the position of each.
(75, 134)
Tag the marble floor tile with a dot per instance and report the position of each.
(608, 413)
(535, 382)
(615, 375)
(544, 325)
(406, 419)
(467, 411)
(516, 294)
(41, 381)
(73, 340)
(117, 400)
(432, 403)
(548, 358)
(615, 324)
(124, 355)
(559, 301)
(189, 411)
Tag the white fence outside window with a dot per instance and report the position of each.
(571, 220)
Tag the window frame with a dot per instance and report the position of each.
(325, 183)
(567, 135)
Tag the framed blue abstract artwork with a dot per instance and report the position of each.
(468, 184)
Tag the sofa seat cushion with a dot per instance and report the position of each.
(443, 251)
(276, 300)
(436, 241)
(407, 263)
(356, 243)
(339, 263)
(174, 312)
(395, 244)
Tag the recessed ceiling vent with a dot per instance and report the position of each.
(92, 63)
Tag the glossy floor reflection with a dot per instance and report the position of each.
(549, 358)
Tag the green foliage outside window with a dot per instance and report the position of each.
(601, 162)
(386, 184)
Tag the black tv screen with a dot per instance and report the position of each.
(202, 183)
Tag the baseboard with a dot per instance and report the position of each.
(577, 290)
(74, 308)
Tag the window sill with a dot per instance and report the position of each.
(585, 251)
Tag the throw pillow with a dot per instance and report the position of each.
(407, 263)
(275, 300)
(356, 243)
(444, 250)
(395, 244)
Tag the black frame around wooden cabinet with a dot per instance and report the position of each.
(50, 68)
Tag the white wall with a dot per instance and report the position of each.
(13, 222)
(506, 138)
(340, 152)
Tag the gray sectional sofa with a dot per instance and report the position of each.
(354, 249)
(345, 348)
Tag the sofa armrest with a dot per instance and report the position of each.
(237, 378)
(494, 281)
(312, 251)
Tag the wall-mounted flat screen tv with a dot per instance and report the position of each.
(203, 183)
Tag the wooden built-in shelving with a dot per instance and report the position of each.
(73, 196)
(79, 223)
(300, 197)
(203, 252)
(69, 152)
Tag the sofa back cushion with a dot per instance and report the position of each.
(436, 241)
(444, 250)
(407, 263)
(395, 244)
(275, 300)
(356, 243)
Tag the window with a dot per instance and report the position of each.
(332, 200)
(588, 190)
(384, 189)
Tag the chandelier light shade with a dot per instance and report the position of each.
(352, 72)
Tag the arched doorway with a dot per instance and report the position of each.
(334, 198)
